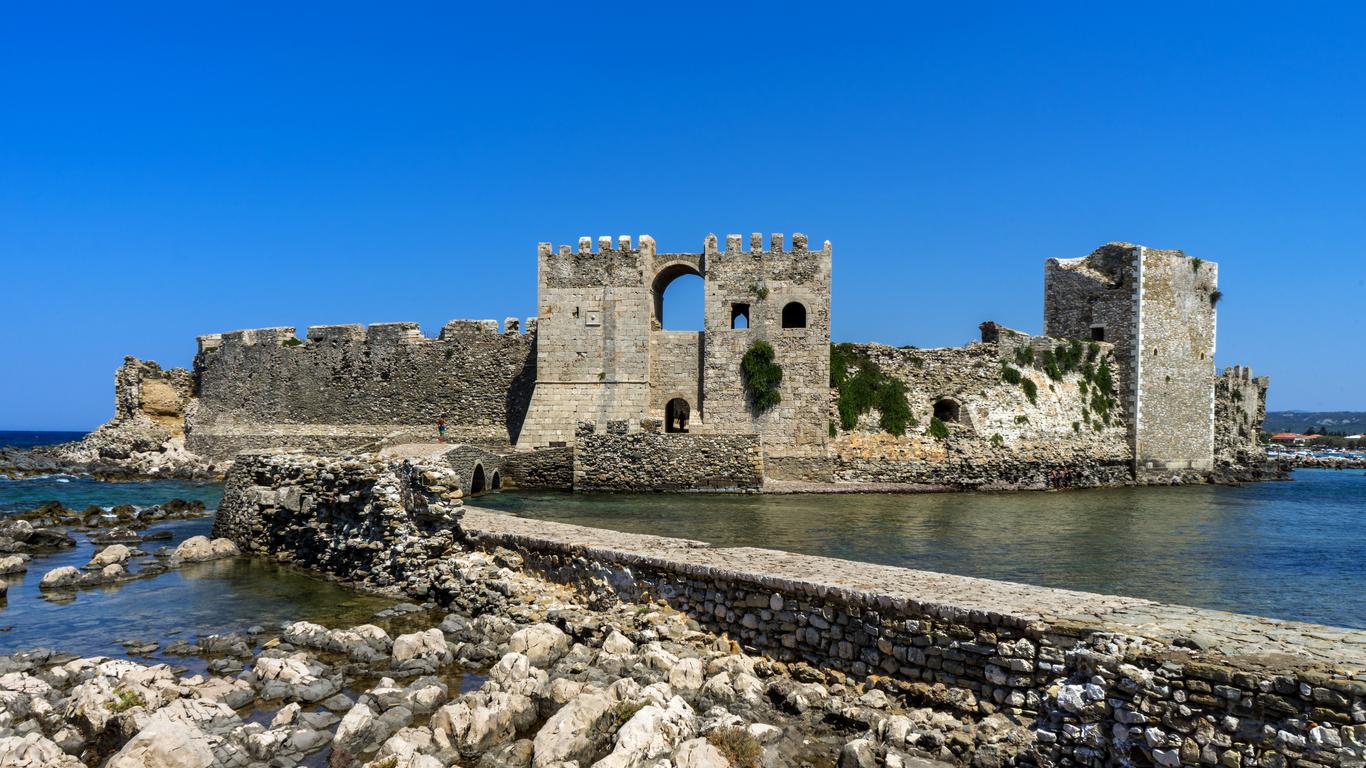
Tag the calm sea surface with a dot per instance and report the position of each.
(1293, 550)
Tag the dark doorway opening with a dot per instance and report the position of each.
(477, 483)
(1098, 333)
(794, 315)
(676, 413)
(946, 410)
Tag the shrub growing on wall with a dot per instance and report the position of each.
(863, 385)
(938, 429)
(761, 376)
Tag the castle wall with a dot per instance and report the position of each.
(347, 386)
(1176, 374)
(651, 461)
(1157, 308)
(676, 371)
(767, 280)
(1239, 411)
(1001, 440)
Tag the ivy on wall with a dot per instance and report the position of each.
(863, 385)
(761, 375)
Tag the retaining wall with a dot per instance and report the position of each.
(1102, 680)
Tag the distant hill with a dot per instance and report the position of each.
(1352, 422)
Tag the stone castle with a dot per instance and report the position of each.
(593, 393)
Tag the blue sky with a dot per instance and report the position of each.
(176, 169)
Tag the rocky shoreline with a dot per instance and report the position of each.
(522, 674)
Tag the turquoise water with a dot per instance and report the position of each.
(198, 599)
(1292, 550)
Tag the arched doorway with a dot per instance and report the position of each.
(477, 482)
(676, 414)
(678, 298)
(496, 482)
(794, 315)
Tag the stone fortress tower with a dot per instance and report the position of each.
(1158, 308)
(602, 355)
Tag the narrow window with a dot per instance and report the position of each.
(1098, 333)
(739, 315)
(794, 315)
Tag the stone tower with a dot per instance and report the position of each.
(1158, 308)
(603, 356)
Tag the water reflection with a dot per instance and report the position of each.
(1291, 550)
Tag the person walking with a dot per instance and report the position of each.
(441, 429)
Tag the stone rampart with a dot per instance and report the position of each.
(1099, 680)
(1239, 412)
(998, 437)
(652, 461)
(346, 386)
(543, 468)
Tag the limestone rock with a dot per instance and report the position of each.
(199, 549)
(572, 733)
(60, 578)
(699, 753)
(110, 555)
(423, 646)
(543, 644)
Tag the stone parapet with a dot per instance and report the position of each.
(646, 461)
(1103, 680)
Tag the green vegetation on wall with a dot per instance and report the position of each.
(863, 385)
(761, 376)
(938, 429)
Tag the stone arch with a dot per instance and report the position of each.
(677, 412)
(496, 481)
(948, 410)
(477, 482)
(666, 275)
(794, 315)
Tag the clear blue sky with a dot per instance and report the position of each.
(175, 169)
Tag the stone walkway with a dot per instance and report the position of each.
(1244, 639)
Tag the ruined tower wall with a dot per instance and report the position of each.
(795, 433)
(1239, 411)
(347, 386)
(1157, 307)
(1176, 370)
(1001, 440)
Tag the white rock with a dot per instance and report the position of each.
(618, 644)
(166, 744)
(114, 553)
(57, 578)
(358, 730)
(571, 733)
(686, 676)
(199, 549)
(543, 643)
(699, 753)
(14, 564)
(34, 751)
(651, 733)
(428, 646)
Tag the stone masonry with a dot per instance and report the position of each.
(1096, 679)
(1158, 308)
(598, 352)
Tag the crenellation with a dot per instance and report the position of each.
(733, 243)
(776, 242)
(585, 244)
(604, 243)
(208, 342)
(394, 333)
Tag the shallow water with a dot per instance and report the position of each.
(1292, 550)
(198, 599)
